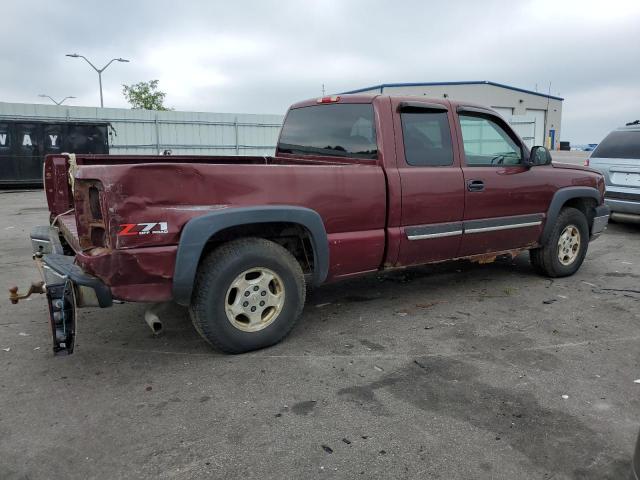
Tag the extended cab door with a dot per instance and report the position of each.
(431, 179)
(505, 201)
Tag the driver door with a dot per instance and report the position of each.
(505, 201)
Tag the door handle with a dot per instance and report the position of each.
(475, 185)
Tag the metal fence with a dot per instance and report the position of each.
(150, 132)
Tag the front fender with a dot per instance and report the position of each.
(197, 232)
(559, 199)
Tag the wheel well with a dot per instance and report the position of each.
(292, 236)
(586, 205)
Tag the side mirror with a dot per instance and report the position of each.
(539, 156)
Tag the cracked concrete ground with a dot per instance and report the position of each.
(456, 371)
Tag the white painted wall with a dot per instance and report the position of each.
(506, 112)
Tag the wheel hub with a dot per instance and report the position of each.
(568, 245)
(254, 299)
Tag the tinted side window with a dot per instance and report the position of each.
(427, 138)
(619, 144)
(486, 143)
(339, 130)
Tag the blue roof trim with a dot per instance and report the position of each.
(434, 84)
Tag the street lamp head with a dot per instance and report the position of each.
(42, 95)
(98, 70)
(72, 97)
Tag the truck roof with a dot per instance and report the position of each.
(370, 97)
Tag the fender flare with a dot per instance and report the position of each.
(197, 232)
(559, 199)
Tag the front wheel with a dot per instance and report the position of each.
(563, 253)
(248, 294)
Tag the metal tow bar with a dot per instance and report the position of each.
(61, 301)
(15, 297)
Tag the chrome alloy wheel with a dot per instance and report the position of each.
(254, 299)
(568, 245)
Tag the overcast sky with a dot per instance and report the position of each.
(261, 56)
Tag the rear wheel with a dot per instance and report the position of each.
(563, 253)
(248, 294)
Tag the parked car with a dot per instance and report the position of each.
(618, 158)
(358, 184)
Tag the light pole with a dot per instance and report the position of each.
(99, 70)
(53, 100)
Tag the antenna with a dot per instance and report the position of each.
(546, 116)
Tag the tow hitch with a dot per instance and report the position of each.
(15, 297)
(61, 301)
(66, 285)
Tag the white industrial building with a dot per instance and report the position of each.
(535, 116)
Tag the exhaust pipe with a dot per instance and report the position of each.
(152, 319)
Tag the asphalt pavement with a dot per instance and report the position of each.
(457, 371)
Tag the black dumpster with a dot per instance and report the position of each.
(23, 145)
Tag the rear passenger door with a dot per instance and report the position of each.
(505, 201)
(431, 180)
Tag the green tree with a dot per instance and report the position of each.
(145, 95)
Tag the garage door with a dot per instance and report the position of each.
(504, 111)
(538, 116)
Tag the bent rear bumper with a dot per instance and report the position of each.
(67, 286)
(58, 269)
(142, 274)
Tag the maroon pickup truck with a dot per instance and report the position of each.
(358, 184)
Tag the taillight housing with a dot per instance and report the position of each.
(94, 203)
(90, 212)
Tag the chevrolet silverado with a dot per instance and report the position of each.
(357, 184)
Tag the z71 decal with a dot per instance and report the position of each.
(142, 228)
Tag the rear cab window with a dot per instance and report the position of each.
(427, 137)
(336, 130)
(619, 144)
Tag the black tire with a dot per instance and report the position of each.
(216, 274)
(546, 259)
